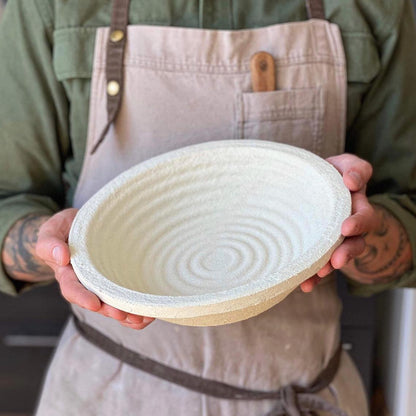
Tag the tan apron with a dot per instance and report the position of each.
(185, 86)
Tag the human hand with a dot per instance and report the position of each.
(52, 248)
(356, 173)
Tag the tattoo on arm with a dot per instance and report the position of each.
(18, 254)
(387, 254)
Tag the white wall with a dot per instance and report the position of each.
(397, 351)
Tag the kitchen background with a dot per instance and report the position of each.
(379, 333)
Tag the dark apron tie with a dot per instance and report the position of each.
(115, 56)
(290, 400)
(114, 64)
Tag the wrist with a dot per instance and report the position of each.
(18, 253)
(387, 253)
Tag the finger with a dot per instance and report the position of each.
(350, 248)
(355, 171)
(134, 326)
(112, 312)
(53, 251)
(326, 270)
(147, 320)
(73, 291)
(362, 218)
(308, 285)
(138, 319)
(53, 235)
(59, 224)
(53, 266)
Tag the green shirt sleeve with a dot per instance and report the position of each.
(384, 133)
(33, 132)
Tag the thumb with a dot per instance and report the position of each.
(52, 245)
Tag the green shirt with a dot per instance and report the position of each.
(46, 51)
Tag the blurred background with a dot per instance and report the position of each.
(379, 333)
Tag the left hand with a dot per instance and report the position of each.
(356, 173)
(52, 248)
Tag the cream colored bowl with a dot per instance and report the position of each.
(210, 234)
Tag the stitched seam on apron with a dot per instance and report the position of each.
(320, 102)
(239, 116)
(167, 65)
(277, 116)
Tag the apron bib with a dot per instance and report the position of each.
(181, 87)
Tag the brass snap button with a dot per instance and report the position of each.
(116, 35)
(113, 88)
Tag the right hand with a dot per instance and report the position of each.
(52, 248)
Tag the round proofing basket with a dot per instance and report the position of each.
(210, 234)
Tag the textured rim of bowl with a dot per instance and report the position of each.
(211, 303)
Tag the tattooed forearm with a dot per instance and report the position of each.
(18, 253)
(387, 254)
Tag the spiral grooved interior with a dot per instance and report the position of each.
(192, 231)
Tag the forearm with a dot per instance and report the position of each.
(18, 253)
(387, 253)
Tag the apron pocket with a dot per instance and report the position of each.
(292, 116)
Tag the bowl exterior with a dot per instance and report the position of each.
(213, 308)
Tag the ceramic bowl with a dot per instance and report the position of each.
(212, 233)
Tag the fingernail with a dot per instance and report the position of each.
(147, 320)
(56, 254)
(357, 178)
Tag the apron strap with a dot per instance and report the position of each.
(315, 9)
(114, 63)
(291, 400)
